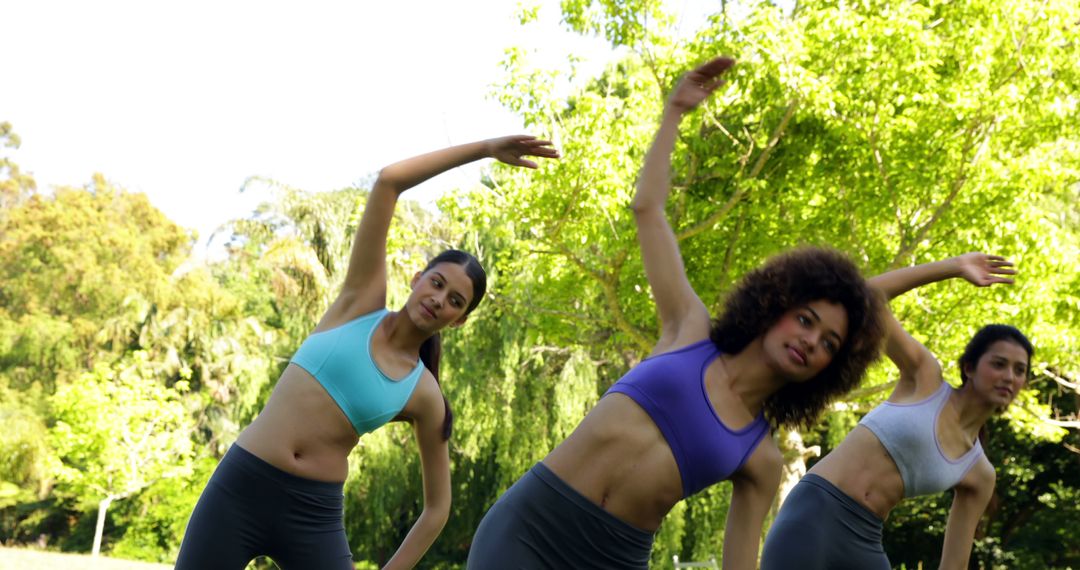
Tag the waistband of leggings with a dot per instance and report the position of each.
(244, 459)
(851, 504)
(552, 480)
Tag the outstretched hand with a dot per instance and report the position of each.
(511, 149)
(699, 83)
(983, 270)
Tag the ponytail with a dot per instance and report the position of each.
(431, 349)
(430, 355)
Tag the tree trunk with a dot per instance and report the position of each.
(795, 456)
(103, 506)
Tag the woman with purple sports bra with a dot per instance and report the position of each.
(278, 490)
(794, 333)
(922, 440)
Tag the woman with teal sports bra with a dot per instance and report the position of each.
(278, 490)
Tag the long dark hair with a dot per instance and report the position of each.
(787, 281)
(431, 349)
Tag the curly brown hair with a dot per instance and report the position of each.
(790, 280)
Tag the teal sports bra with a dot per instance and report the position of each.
(340, 359)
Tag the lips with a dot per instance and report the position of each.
(1004, 390)
(430, 314)
(797, 355)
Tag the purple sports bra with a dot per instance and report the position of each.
(671, 389)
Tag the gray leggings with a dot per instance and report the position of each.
(541, 522)
(820, 527)
(251, 508)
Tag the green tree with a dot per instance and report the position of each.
(68, 263)
(119, 430)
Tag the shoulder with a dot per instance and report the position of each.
(980, 479)
(765, 464)
(426, 403)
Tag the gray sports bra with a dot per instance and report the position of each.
(909, 433)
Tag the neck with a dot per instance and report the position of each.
(401, 333)
(750, 378)
(972, 412)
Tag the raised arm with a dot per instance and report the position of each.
(682, 313)
(979, 269)
(364, 289)
(920, 372)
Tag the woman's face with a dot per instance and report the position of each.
(805, 339)
(1000, 372)
(440, 296)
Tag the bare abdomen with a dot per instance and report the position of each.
(861, 468)
(302, 430)
(619, 459)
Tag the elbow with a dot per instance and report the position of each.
(644, 208)
(881, 286)
(389, 178)
(437, 515)
(439, 518)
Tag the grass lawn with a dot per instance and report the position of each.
(23, 559)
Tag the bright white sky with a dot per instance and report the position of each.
(186, 100)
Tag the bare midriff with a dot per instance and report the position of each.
(302, 430)
(618, 459)
(862, 469)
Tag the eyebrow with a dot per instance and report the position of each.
(839, 339)
(1005, 359)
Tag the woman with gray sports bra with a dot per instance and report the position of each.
(922, 440)
(794, 333)
(278, 490)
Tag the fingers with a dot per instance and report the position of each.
(999, 265)
(537, 147)
(511, 149)
(714, 67)
(707, 76)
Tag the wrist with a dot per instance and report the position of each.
(954, 267)
(673, 112)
